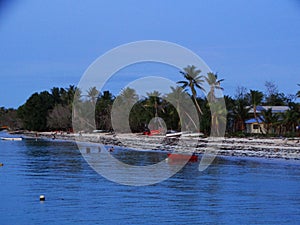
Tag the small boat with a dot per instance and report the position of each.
(11, 138)
(192, 134)
(183, 157)
(174, 135)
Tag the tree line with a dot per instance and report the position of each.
(52, 110)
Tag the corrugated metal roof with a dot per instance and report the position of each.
(253, 120)
(275, 109)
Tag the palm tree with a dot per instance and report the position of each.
(291, 118)
(178, 97)
(154, 101)
(270, 119)
(218, 118)
(129, 96)
(121, 110)
(192, 80)
(68, 95)
(240, 113)
(93, 94)
(214, 83)
(256, 98)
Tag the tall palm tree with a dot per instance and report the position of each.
(192, 80)
(214, 83)
(68, 95)
(128, 95)
(154, 101)
(93, 94)
(121, 110)
(180, 100)
(270, 119)
(291, 118)
(218, 118)
(240, 113)
(256, 98)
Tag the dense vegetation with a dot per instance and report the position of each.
(53, 110)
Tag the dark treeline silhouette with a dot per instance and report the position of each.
(48, 111)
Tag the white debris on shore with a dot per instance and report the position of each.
(248, 147)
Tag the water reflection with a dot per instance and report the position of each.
(44, 156)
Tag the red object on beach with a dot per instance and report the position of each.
(177, 157)
(155, 132)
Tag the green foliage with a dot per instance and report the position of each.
(214, 84)
(103, 110)
(35, 111)
(192, 80)
(53, 110)
(9, 118)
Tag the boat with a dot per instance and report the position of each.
(174, 134)
(182, 157)
(11, 138)
(192, 134)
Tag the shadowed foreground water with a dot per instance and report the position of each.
(232, 190)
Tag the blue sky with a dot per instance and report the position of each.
(51, 43)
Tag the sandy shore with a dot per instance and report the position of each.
(248, 147)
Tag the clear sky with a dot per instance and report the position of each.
(51, 43)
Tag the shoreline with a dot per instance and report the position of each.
(288, 149)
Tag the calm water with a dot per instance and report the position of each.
(231, 191)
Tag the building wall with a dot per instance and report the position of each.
(255, 128)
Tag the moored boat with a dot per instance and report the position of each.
(183, 157)
(11, 138)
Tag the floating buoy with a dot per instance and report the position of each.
(42, 198)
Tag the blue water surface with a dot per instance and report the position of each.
(230, 191)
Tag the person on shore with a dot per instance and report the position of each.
(54, 136)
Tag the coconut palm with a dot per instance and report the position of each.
(121, 110)
(154, 101)
(128, 95)
(192, 80)
(291, 118)
(218, 118)
(214, 83)
(240, 113)
(256, 98)
(180, 100)
(93, 94)
(270, 119)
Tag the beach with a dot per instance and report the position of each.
(242, 147)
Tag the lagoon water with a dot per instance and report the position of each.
(230, 191)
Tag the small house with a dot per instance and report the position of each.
(256, 125)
